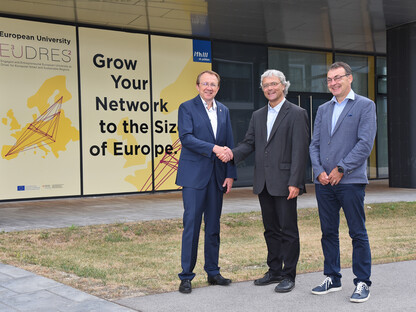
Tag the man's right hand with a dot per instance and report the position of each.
(225, 155)
(323, 178)
(218, 149)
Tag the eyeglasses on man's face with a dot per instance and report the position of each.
(271, 84)
(206, 84)
(335, 79)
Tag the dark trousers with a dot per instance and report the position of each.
(207, 202)
(281, 233)
(351, 198)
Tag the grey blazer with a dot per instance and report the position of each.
(351, 143)
(281, 161)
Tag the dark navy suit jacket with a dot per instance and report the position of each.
(197, 161)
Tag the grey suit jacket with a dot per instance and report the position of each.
(280, 162)
(351, 142)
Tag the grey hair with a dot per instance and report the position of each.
(278, 74)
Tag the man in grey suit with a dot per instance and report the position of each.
(344, 132)
(278, 134)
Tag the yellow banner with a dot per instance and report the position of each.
(39, 134)
(174, 73)
(116, 110)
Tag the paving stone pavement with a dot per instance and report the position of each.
(23, 291)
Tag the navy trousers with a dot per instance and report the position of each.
(351, 198)
(198, 202)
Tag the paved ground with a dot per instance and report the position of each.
(21, 291)
(393, 284)
(393, 289)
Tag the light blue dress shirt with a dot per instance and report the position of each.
(272, 113)
(339, 107)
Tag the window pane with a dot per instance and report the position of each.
(382, 142)
(359, 66)
(240, 67)
(305, 70)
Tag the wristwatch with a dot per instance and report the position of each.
(340, 169)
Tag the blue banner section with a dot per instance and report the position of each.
(202, 51)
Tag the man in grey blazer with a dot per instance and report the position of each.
(278, 134)
(343, 137)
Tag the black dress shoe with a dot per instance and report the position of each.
(285, 286)
(185, 287)
(218, 280)
(268, 279)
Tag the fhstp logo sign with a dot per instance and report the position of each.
(202, 51)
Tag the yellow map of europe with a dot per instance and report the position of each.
(50, 131)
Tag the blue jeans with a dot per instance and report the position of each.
(351, 198)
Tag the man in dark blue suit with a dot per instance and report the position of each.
(343, 137)
(204, 131)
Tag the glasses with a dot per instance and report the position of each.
(271, 84)
(206, 84)
(336, 78)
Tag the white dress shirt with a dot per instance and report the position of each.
(212, 115)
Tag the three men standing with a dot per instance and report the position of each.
(344, 132)
(278, 134)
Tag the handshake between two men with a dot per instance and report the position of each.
(224, 153)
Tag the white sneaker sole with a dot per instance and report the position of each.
(360, 300)
(328, 291)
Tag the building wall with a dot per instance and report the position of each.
(401, 44)
(89, 111)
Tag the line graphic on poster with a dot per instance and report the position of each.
(167, 166)
(43, 129)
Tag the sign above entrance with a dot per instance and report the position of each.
(202, 51)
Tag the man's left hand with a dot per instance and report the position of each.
(228, 182)
(335, 176)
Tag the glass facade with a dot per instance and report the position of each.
(241, 65)
(306, 71)
(381, 101)
(360, 68)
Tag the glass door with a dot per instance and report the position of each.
(310, 102)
